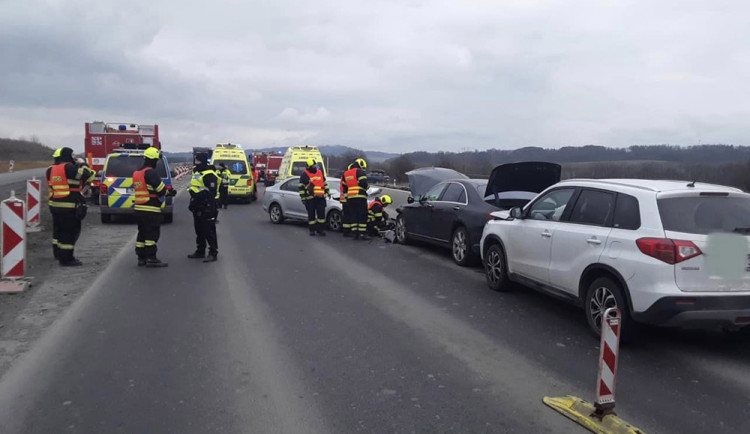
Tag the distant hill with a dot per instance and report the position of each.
(339, 150)
(24, 150)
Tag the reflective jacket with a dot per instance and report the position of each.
(312, 185)
(224, 175)
(375, 212)
(64, 182)
(355, 183)
(149, 190)
(198, 184)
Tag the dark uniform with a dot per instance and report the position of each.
(355, 187)
(223, 173)
(66, 204)
(376, 217)
(346, 217)
(150, 192)
(313, 190)
(203, 204)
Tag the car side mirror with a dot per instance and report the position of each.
(409, 199)
(516, 212)
(422, 199)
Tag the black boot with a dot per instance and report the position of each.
(211, 258)
(155, 263)
(72, 262)
(347, 234)
(355, 236)
(312, 233)
(197, 255)
(141, 262)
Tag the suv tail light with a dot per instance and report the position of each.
(169, 187)
(668, 250)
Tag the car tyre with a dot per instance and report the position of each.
(401, 236)
(106, 218)
(496, 269)
(334, 220)
(461, 247)
(603, 293)
(275, 214)
(168, 218)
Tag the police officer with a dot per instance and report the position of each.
(355, 187)
(313, 190)
(66, 204)
(223, 173)
(150, 193)
(203, 204)
(377, 218)
(346, 217)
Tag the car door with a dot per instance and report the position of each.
(291, 203)
(580, 241)
(531, 240)
(445, 211)
(419, 220)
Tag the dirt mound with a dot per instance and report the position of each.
(24, 150)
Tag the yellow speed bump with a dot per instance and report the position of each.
(581, 412)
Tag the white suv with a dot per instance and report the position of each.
(669, 253)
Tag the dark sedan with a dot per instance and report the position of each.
(452, 212)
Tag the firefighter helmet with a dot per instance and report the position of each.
(361, 163)
(152, 153)
(310, 162)
(57, 153)
(386, 200)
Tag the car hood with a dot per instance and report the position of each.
(529, 176)
(421, 180)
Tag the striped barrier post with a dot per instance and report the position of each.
(33, 203)
(608, 352)
(13, 251)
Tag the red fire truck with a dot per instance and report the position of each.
(104, 137)
(268, 163)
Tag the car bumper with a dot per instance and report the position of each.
(240, 191)
(108, 210)
(687, 311)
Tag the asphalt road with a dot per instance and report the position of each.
(16, 181)
(289, 333)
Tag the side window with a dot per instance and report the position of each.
(552, 205)
(434, 193)
(453, 193)
(291, 185)
(593, 207)
(627, 212)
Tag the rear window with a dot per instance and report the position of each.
(123, 166)
(705, 214)
(236, 167)
(298, 168)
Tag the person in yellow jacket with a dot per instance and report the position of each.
(65, 180)
(204, 197)
(150, 192)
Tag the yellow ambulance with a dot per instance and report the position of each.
(295, 161)
(241, 179)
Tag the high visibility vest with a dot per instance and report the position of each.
(318, 183)
(59, 185)
(342, 196)
(144, 192)
(352, 184)
(197, 185)
(225, 176)
(372, 215)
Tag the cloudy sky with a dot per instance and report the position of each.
(386, 75)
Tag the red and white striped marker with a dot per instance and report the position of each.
(33, 205)
(12, 214)
(609, 348)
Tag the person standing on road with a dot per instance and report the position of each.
(150, 192)
(346, 218)
(204, 197)
(313, 190)
(355, 187)
(224, 173)
(377, 218)
(66, 204)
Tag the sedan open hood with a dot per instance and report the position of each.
(422, 180)
(528, 176)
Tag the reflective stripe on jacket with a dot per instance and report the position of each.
(146, 197)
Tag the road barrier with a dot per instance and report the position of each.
(33, 203)
(181, 171)
(599, 417)
(13, 251)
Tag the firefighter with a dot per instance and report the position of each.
(223, 173)
(204, 196)
(66, 204)
(355, 187)
(150, 193)
(313, 190)
(346, 214)
(377, 218)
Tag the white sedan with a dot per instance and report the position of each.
(281, 201)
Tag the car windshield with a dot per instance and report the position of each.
(236, 167)
(705, 214)
(123, 166)
(334, 186)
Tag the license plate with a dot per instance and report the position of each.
(129, 190)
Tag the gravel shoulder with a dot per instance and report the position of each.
(25, 317)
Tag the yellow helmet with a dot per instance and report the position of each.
(152, 153)
(57, 153)
(386, 200)
(310, 162)
(361, 163)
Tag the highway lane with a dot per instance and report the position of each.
(290, 333)
(16, 181)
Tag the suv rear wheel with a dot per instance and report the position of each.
(461, 247)
(602, 294)
(401, 236)
(496, 270)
